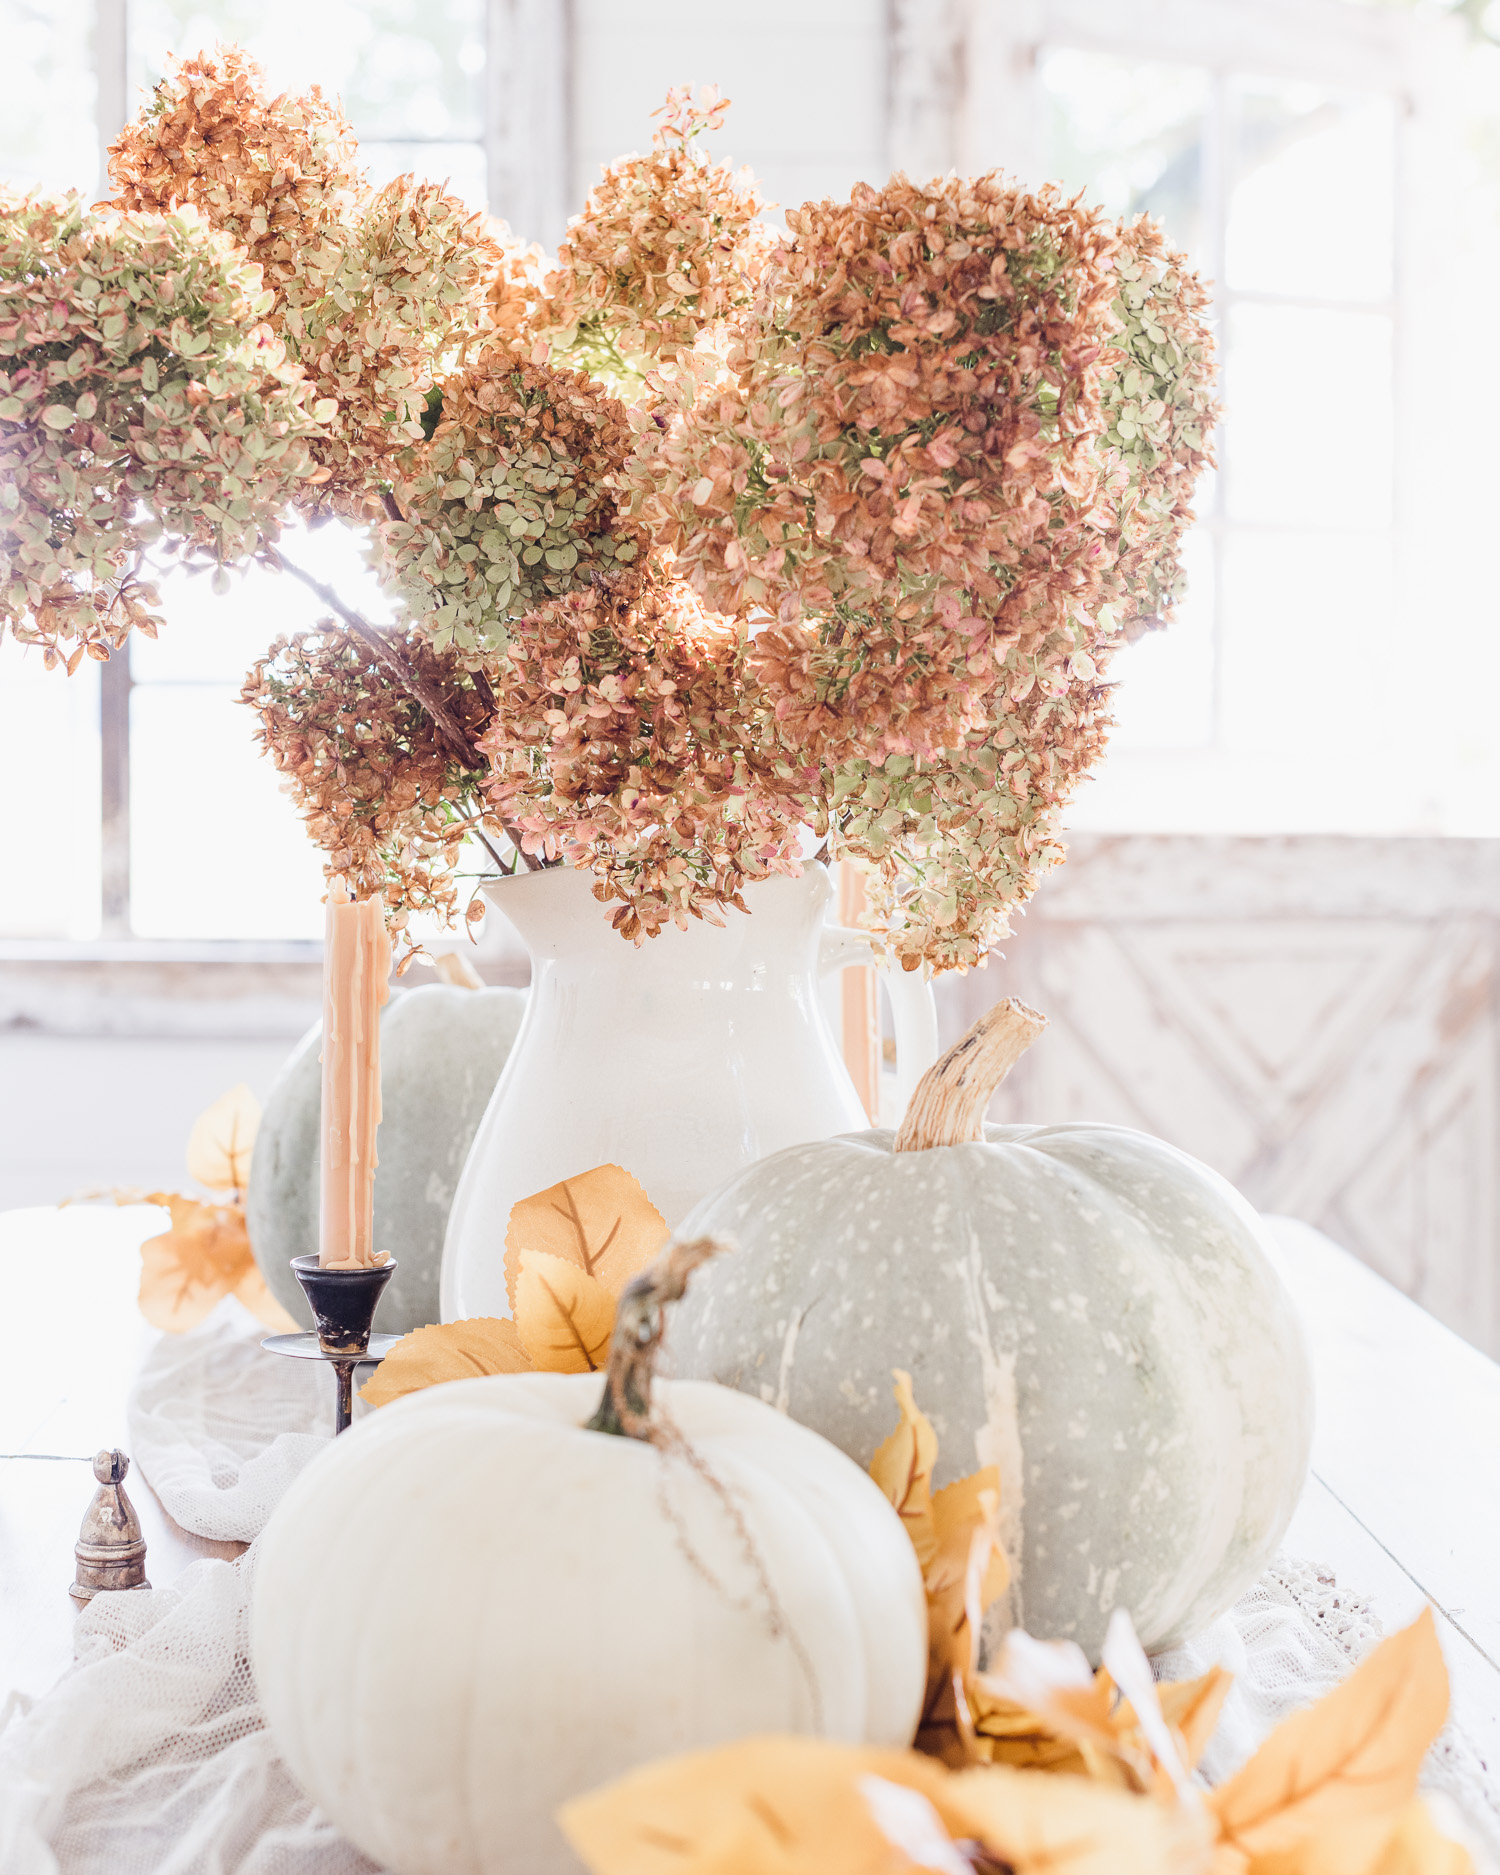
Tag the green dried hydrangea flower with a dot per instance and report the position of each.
(141, 401)
(509, 505)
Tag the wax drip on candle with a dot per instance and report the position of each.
(356, 971)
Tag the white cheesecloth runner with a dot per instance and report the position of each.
(150, 1756)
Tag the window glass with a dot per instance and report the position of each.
(216, 850)
(1130, 133)
(47, 137)
(405, 69)
(225, 857)
(1306, 632)
(809, 125)
(410, 73)
(1165, 694)
(49, 797)
(1311, 193)
(1307, 433)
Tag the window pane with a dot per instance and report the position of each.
(1307, 622)
(1308, 420)
(1312, 191)
(213, 638)
(49, 797)
(47, 126)
(404, 68)
(460, 167)
(225, 857)
(1129, 132)
(1165, 698)
(216, 851)
(809, 123)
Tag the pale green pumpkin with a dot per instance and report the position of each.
(1084, 1306)
(441, 1052)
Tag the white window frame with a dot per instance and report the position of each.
(961, 91)
(1407, 58)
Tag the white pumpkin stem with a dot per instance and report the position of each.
(948, 1106)
(639, 1320)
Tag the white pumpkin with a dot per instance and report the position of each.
(1083, 1305)
(441, 1051)
(475, 1605)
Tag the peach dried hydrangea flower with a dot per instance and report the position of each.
(623, 742)
(140, 398)
(666, 246)
(510, 503)
(376, 785)
(915, 387)
(373, 291)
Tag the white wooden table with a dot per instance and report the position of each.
(1403, 1502)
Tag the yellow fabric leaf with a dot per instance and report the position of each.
(251, 1292)
(484, 1344)
(1073, 1826)
(804, 1806)
(1418, 1847)
(223, 1136)
(194, 1265)
(1084, 1733)
(958, 1510)
(902, 1467)
(1352, 1759)
(1043, 1690)
(602, 1221)
(564, 1316)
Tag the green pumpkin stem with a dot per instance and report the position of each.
(948, 1105)
(625, 1409)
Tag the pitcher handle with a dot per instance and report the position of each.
(913, 1005)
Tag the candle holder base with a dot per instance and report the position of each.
(343, 1305)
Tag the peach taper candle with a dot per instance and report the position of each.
(356, 982)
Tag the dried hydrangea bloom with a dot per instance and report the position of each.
(622, 742)
(513, 305)
(916, 388)
(372, 291)
(406, 296)
(278, 175)
(958, 843)
(509, 504)
(376, 785)
(140, 398)
(1159, 413)
(665, 247)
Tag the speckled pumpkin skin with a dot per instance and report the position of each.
(1090, 1309)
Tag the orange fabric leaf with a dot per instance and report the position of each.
(601, 1220)
(902, 1467)
(564, 1316)
(194, 1265)
(484, 1344)
(1346, 1767)
(1418, 1847)
(804, 1806)
(222, 1140)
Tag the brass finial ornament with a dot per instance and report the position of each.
(110, 1549)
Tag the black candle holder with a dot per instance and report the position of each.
(343, 1303)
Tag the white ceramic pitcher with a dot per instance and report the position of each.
(683, 1059)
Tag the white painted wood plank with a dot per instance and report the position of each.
(1324, 1531)
(1408, 1431)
